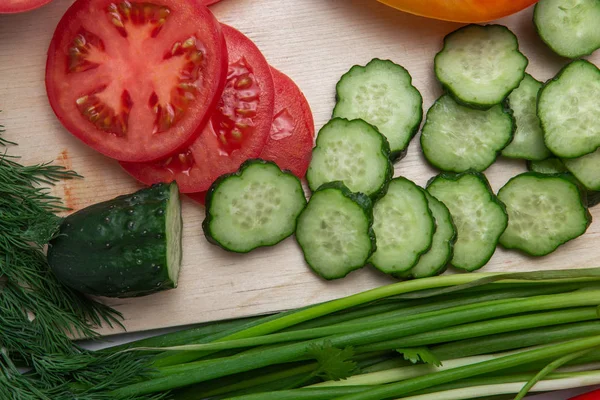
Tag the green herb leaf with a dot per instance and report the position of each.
(334, 363)
(420, 355)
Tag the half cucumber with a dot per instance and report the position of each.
(125, 247)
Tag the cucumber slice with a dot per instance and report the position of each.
(544, 212)
(553, 166)
(335, 231)
(569, 110)
(353, 152)
(479, 216)
(403, 225)
(126, 247)
(435, 261)
(458, 138)
(382, 94)
(549, 166)
(586, 169)
(528, 142)
(571, 28)
(480, 65)
(254, 207)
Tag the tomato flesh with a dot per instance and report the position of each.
(135, 80)
(237, 131)
(18, 6)
(293, 130)
(461, 10)
(292, 134)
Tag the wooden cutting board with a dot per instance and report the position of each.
(314, 42)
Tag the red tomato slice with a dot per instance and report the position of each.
(292, 133)
(595, 395)
(238, 129)
(135, 80)
(293, 130)
(199, 197)
(17, 6)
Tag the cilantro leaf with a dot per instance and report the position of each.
(420, 354)
(334, 363)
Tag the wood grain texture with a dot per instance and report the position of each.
(314, 42)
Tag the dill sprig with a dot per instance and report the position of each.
(39, 315)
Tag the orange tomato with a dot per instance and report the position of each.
(461, 10)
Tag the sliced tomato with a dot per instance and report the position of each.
(237, 131)
(135, 80)
(292, 135)
(18, 6)
(461, 10)
(199, 197)
(293, 130)
(595, 395)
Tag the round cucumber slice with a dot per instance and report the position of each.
(479, 216)
(544, 212)
(335, 231)
(254, 207)
(586, 169)
(569, 110)
(480, 65)
(382, 94)
(458, 138)
(353, 152)
(403, 225)
(571, 28)
(435, 261)
(549, 166)
(528, 142)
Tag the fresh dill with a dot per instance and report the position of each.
(39, 315)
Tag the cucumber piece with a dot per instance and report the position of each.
(586, 169)
(382, 94)
(544, 211)
(335, 231)
(126, 247)
(458, 138)
(528, 142)
(549, 166)
(571, 28)
(254, 207)
(569, 110)
(435, 261)
(553, 165)
(403, 225)
(353, 152)
(479, 216)
(480, 65)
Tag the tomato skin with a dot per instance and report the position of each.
(293, 120)
(199, 197)
(595, 395)
(293, 131)
(461, 10)
(208, 157)
(19, 6)
(209, 2)
(140, 77)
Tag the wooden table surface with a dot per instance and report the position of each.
(314, 42)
